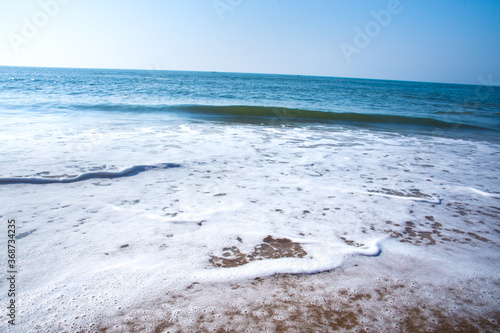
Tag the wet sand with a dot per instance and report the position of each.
(393, 292)
(389, 293)
(348, 299)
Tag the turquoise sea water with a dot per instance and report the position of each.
(394, 105)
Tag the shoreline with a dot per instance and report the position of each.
(156, 252)
(351, 298)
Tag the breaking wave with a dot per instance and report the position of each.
(240, 112)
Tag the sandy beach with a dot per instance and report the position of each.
(403, 296)
(165, 215)
(392, 292)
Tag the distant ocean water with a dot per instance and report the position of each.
(113, 172)
(285, 97)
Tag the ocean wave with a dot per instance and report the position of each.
(281, 114)
(132, 171)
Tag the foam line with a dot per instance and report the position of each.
(296, 266)
(374, 249)
(486, 194)
(432, 200)
(436, 201)
(132, 171)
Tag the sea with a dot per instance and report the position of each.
(128, 186)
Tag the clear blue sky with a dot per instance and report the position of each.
(423, 40)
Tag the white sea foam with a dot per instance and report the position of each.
(486, 194)
(90, 247)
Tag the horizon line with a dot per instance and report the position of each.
(282, 74)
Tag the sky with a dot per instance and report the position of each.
(450, 41)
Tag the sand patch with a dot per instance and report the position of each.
(432, 234)
(271, 248)
(474, 228)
